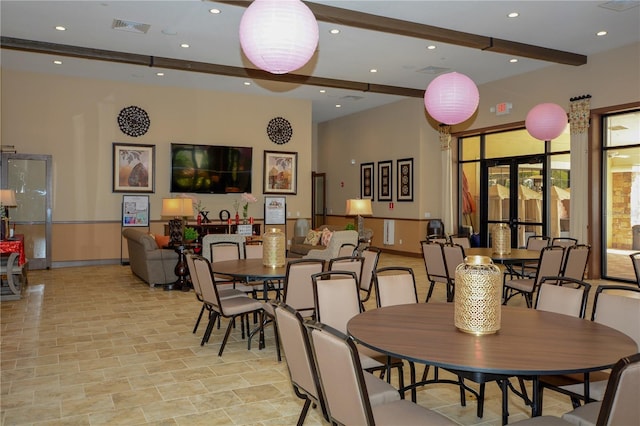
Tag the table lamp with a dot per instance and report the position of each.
(7, 199)
(359, 207)
(179, 209)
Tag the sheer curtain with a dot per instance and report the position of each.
(447, 179)
(579, 112)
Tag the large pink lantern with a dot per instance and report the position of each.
(278, 36)
(451, 98)
(546, 121)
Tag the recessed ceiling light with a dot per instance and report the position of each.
(373, 70)
(338, 106)
(214, 11)
(185, 45)
(247, 83)
(334, 31)
(57, 62)
(601, 33)
(323, 91)
(61, 28)
(513, 60)
(160, 74)
(513, 15)
(431, 47)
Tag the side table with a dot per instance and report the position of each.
(182, 271)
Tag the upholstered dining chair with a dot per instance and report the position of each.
(564, 241)
(395, 285)
(336, 301)
(298, 286)
(619, 405)
(453, 256)
(228, 250)
(302, 368)
(346, 392)
(635, 260)
(347, 263)
(371, 255)
(616, 306)
(549, 265)
(347, 249)
(225, 308)
(462, 240)
(537, 243)
(563, 295)
(576, 258)
(436, 268)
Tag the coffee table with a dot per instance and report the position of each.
(530, 343)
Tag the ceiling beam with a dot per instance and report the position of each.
(200, 67)
(367, 21)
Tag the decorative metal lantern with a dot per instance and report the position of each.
(273, 248)
(546, 121)
(451, 98)
(501, 239)
(477, 301)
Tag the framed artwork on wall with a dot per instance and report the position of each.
(405, 179)
(133, 167)
(366, 180)
(385, 168)
(280, 172)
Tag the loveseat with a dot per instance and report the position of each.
(339, 237)
(152, 264)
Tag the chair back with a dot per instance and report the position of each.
(297, 350)
(437, 238)
(575, 261)
(395, 286)
(336, 298)
(620, 403)
(434, 262)
(564, 241)
(537, 242)
(461, 240)
(202, 268)
(618, 306)
(298, 287)
(563, 296)
(635, 260)
(347, 263)
(371, 256)
(453, 256)
(253, 250)
(550, 263)
(194, 277)
(347, 249)
(224, 250)
(341, 377)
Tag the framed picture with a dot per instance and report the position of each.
(280, 172)
(134, 167)
(275, 211)
(405, 179)
(385, 169)
(135, 210)
(366, 180)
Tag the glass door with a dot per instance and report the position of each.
(514, 194)
(30, 177)
(318, 200)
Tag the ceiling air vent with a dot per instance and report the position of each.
(130, 26)
(619, 5)
(433, 70)
(351, 98)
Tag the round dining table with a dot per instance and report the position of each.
(529, 343)
(250, 271)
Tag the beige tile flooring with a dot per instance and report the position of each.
(95, 345)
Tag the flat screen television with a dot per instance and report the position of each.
(209, 169)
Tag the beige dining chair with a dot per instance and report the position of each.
(619, 405)
(618, 307)
(565, 242)
(347, 263)
(371, 256)
(436, 268)
(221, 251)
(537, 243)
(347, 249)
(336, 301)
(635, 261)
(549, 265)
(298, 286)
(462, 240)
(347, 393)
(453, 256)
(576, 258)
(302, 367)
(218, 307)
(395, 285)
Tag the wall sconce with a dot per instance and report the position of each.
(179, 209)
(359, 207)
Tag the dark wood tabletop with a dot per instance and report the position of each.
(249, 269)
(530, 342)
(516, 255)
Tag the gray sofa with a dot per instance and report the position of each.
(152, 264)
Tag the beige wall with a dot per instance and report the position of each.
(401, 130)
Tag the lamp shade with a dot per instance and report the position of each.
(177, 207)
(278, 36)
(8, 198)
(546, 121)
(359, 207)
(451, 98)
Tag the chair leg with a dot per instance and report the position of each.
(226, 336)
(430, 291)
(303, 413)
(212, 320)
(195, 328)
(480, 406)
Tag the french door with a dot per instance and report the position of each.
(513, 190)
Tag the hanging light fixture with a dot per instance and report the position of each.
(546, 121)
(451, 98)
(278, 36)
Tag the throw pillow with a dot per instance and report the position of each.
(326, 237)
(162, 240)
(312, 238)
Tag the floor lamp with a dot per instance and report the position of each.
(178, 208)
(359, 207)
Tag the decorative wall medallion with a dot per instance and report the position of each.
(279, 130)
(133, 121)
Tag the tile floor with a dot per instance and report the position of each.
(95, 345)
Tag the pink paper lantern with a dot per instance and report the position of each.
(278, 36)
(451, 98)
(546, 121)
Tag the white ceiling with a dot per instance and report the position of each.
(563, 25)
